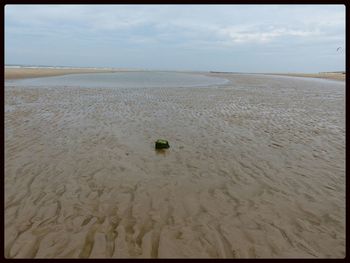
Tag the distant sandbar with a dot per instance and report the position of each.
(20, 73)
(322, 75)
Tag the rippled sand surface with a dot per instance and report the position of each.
(256, 168)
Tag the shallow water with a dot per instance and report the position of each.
(255, 168)
(123, 80)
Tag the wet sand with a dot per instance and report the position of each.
(255, 168)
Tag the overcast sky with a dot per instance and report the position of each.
(241, 38)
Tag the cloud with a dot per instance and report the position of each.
(252, 34)
(235, 24)
(224, 29)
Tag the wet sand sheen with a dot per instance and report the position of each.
(255, 169)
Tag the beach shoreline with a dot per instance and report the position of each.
(20, 73)
(321, 75)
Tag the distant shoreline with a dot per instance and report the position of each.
(14, 72)
(341, 76)
(36, 72)
(322, 75)
(21, 73)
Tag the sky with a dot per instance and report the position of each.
(236, 38)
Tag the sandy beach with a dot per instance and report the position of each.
(255, 169)
(20, 73)
(321, 75)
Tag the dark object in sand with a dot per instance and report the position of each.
(162, 144)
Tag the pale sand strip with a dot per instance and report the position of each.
(19, 73)
(333, 76)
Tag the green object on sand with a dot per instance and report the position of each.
(162, 144)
